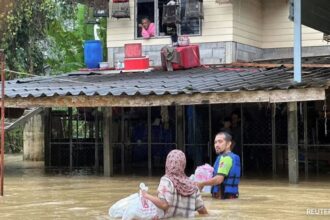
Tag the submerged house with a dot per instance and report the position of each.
(127, 122)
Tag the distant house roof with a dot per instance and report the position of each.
(132, 87)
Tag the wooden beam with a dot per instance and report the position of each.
(179, 127)
(122, 140)
(275, 65)
(272, 96)
(149, 143)
(107, 146)
(70, 139)
(274, 138)
(242, 140)
(96, 152)
(210, 144)
(305, 108)
(293, 143)
(47, 132)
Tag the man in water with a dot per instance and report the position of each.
(227, 169)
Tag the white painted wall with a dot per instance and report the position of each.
(258, 23)
(278, 29)
(247, 22)
(217, 26)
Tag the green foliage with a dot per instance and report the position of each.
(68, 53)
(46, 34)
(14, 141)
(25, 28)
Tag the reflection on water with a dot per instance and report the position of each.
(32, 194)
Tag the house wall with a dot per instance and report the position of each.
(247, 22)
(243, 30)
(216, 26)
(278, 29)
(217, 30)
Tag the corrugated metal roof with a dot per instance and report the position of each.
(304, 60)
(198, 80)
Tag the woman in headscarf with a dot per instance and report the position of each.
(177, 194)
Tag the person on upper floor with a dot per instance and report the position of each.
(148, 28)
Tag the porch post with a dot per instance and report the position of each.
(47, 132)
(107, 145)
(97, 163)
(149, 143)
(210, 145)
(70, 139)
(274, 138)
(179, 127)
(122, 140)
(306, 138)
(293, 143)
(242, 139)
(297, 40)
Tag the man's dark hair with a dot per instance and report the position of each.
(227, 136)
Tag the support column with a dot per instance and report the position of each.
(149, 143)
(97, 163)
(242, 140)
(179, 127)
(210, 145)
(34, 139)
(274, 138)
(122, 140)
(70, 138)
(297, 40)
(47, 136)
(306, 138)
(107, 146)
(293, 143)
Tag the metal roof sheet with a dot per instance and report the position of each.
(198, 80)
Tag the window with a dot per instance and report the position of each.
(189, 26)
(153, 10)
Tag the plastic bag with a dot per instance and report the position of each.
(135, 207)
(204, 173)
(118, 209)
(140, 208)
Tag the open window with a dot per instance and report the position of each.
(190, 18)
(153, 10)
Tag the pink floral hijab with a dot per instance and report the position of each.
(174, 170)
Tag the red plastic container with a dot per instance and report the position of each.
(189, 57)
(133, 50)
(140, 63)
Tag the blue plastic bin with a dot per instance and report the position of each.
(93, 53)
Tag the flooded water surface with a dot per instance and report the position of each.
(32, 194)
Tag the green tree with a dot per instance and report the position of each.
(69, 37)
(44, 34)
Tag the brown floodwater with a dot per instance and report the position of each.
(30, 193)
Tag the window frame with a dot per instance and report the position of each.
(156, 21)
